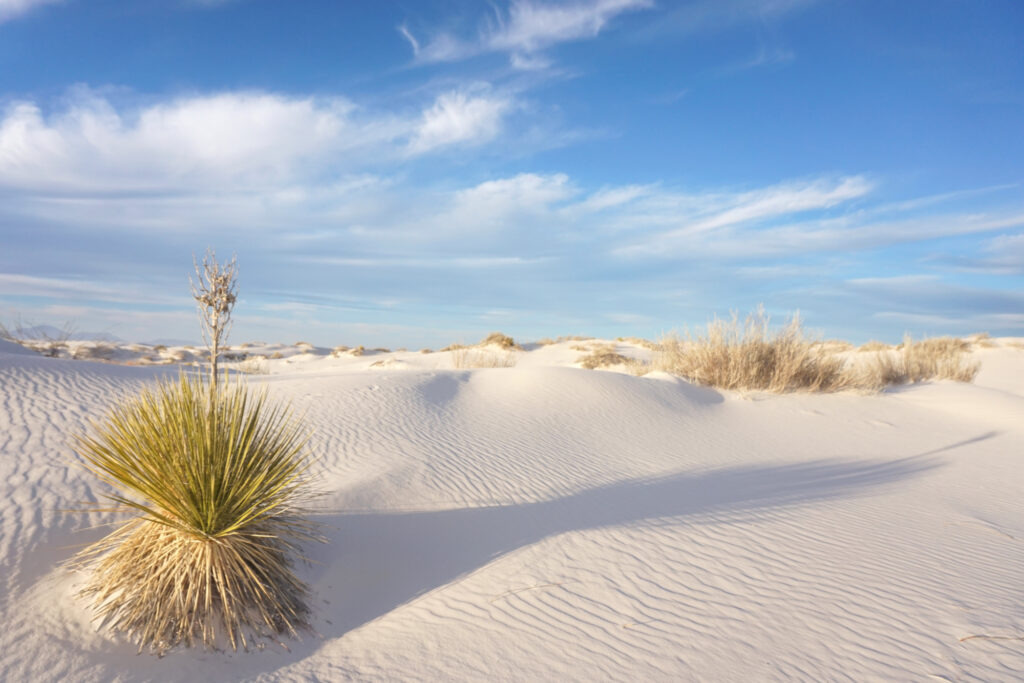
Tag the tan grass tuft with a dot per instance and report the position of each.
(939, 358)
(468, 357)
(749, 356)
(500, 340)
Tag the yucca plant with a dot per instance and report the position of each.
(215, 478)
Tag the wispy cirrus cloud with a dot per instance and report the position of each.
(524, 30)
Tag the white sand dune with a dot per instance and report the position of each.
(544, 522)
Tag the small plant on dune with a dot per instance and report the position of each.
(500, 340)
(215, 478)
(750, 356)
(939, 358)
(468, 357)
(601, 357)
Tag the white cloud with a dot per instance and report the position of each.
(234, 141)
(10, 9)
(525, 29)
(457, 118)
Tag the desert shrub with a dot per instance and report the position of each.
(338, 350)
(381, 349)
(214, 479)
(501, 340)
(750, 356)
(276, 355)
(466, 357)
(546, 341)
(454, 347)
(93, 351)
(159, 348)
(357, 351)
(426, 350)
(939, 358)
(607, 356)
(255, 365)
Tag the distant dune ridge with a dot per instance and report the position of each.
(536, 520)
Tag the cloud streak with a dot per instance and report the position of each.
(524, 30)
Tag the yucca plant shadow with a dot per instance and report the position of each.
(385, 560)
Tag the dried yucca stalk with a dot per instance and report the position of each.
(216, 478)
(215, 290)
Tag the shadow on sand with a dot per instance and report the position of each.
(377, 561)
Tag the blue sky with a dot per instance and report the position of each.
(417, 173)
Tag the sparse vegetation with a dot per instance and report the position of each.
(467, 357)
(940, 358)
(601, 357)
(749, 356)
(255, 365)
(93, 351)
(874, 346)
(500, 340)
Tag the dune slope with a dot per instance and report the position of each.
(546, 522)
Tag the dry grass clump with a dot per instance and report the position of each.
(357, 351)
(501, 340)
(874, 346)
(426, 350)
(607, 356)
(749, 356)
(546, 341)
(466, 358)
(215, 478)
(93, 351)
(454, 347)
(255, 365)
(982, 340)
(940, 358)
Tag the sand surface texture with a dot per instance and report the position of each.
(545, 522)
